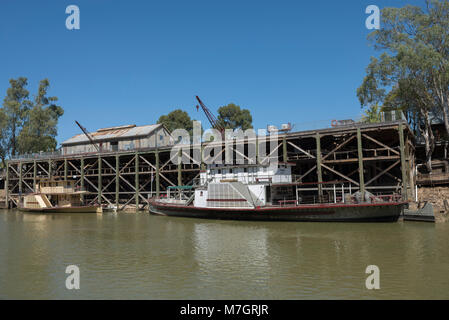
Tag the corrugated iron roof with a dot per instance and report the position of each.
(114, 133)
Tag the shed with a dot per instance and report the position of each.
(120, 138)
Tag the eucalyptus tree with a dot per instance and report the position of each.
(40, 128)
(28, 125)
(15, 107)
(412, 73)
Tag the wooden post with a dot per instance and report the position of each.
(65, 169)
(403, 162)
(284, 149)
(7, 185)
(137, 179)
(82, 178)
(203, 165)
(257, 149)
(117, 180)
(100, 182)
(20, 183)
(35, 176)
(157, 174)
(180, 167)
(318, 167)
(49, 169)
(360, 157)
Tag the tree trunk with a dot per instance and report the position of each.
(446, 115)
(429, 139)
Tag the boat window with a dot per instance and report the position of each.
(245, 169)
(230, 170)
(219, 171)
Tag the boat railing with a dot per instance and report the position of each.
(343, 192)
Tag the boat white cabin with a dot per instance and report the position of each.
(56, 195)
(243, 186)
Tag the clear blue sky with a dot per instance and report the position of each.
(132, 61)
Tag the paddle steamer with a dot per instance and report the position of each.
(269, 193)
(56, 196)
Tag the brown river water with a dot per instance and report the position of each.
(139, 256)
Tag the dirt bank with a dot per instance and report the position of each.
(436, 196)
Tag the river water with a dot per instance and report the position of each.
(139, 256)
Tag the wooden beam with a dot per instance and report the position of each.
(318, 166)
(100, 181)
(365, 159)
(340, 174)
(284, 149)
(65, 169)
(20, 181)
(137, 180)
(360, 157)
(338, 147)
(203, 165)
(303, 151)
(82, 177)
(180, 167)
(117, 180)
(7, 185)
(380, 143)
(34, 176)
(305, 174)
(157, 174)
(403, 162)
(383, 172)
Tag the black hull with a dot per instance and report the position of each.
(383, 212)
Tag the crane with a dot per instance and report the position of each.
(88, 135)
(210, 116)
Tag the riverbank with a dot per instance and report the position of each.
(437, 197)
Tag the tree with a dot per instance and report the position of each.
(15, 107)
(40, 128)
(3, 137)
(412, 73)
(177, 119)
(28, 126)
(233, 117)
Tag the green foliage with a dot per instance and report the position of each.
(177, 119)
(412, 73)
(415, 61)
(233, 117)
(28, 126)
(15, 107)
(372, 114)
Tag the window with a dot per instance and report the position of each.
(230, 170)
(161, 137)
(114, 145)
